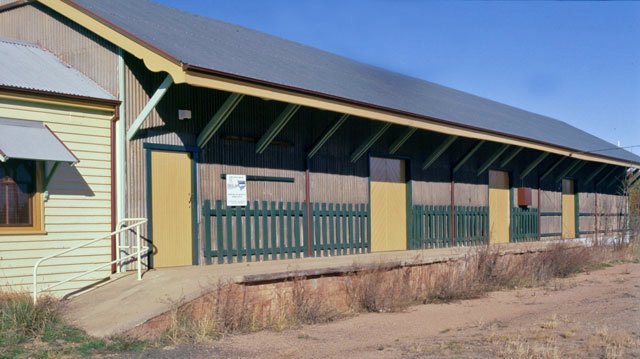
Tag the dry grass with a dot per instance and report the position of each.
(22, 321)
(481, 272)
(233, 308)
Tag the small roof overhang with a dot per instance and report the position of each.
(31, 140)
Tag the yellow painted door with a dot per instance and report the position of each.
(568, 209)
(171, 208)
(499, 211)
(388, 205)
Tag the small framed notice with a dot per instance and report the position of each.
(237, 190)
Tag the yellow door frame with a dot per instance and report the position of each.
(570, 221)
(409, 196)
(193, 151)
(509, 205)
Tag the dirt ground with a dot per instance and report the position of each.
(594, 314)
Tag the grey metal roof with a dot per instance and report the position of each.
(27, 66)
(31, 140)
(242, 52)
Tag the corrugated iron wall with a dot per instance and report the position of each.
(76, 46)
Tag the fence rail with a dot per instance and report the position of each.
(524, 224)
(585, 214)
(339, 229)
(622, 217)
(431, 226)
(279, 230)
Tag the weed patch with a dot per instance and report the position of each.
(233, 308)
(28, 330)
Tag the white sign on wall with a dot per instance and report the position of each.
(236, 190)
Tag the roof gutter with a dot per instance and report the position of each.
(14, 4)
(59, 96)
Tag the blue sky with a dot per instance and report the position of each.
(575, 61)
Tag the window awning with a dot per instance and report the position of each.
(31, 140)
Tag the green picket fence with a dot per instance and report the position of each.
(339, 229)
(524, 224)
(472, 225)
(278, 230)
(431, 226)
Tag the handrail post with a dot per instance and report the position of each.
(139, 254)
(35, 284)
(118, 249)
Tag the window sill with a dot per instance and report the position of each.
(20, 231)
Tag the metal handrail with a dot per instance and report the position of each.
(137, 254)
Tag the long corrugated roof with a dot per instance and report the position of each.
(222, 47)
(27, 66)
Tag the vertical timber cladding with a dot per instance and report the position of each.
(388, 204)
(568, 209)
(171, 201)
(499, 207)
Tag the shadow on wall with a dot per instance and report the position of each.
(67, 180)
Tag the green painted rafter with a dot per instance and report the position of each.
(534, 164)
(276, 127)
(401, 140)
(327, 135)
(577, 168)
(468, 155)
(511, 156)
(492, 159)
(438, 151)
(153, 101)
(616, 179)
(219, 118)
(564, 173)
(633, 181)
(595, 173)
(553, 167)
(603, 178)
(358, 153)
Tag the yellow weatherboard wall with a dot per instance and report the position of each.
(388, 205)
(499, 210)
(568, 209)
(79, 204)
(171, 208)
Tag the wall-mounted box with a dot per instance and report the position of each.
(524, 197)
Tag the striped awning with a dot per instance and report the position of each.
(31, 140)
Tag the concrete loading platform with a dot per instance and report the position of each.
(124, 303)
